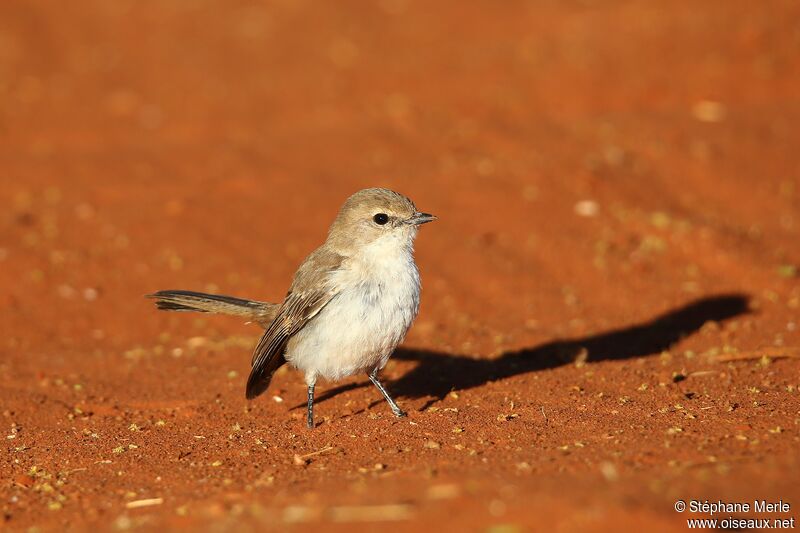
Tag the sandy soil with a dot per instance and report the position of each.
(610, 308)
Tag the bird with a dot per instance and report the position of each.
(349, 305)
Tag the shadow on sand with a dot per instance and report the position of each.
(439, 373)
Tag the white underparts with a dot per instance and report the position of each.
(360, 327)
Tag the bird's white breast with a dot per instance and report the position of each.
(361, 326)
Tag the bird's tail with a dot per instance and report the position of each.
(261, 312)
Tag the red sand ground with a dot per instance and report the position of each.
(566, 371)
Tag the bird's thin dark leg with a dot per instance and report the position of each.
(373, 377)
(311, 406)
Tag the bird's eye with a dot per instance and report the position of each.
(381, 219)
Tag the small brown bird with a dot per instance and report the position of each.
(350, 303)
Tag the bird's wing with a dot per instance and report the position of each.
(311, 291)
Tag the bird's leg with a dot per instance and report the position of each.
(373, 377)
(311, 406)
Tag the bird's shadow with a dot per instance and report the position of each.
(439, 373)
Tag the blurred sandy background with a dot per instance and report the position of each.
(595, 166)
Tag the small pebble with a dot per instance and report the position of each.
(587, 208)
(709, 111)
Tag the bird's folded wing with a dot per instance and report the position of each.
(310, 292)
(295, 312)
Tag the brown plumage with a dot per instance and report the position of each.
(350, 303)
(260, 312)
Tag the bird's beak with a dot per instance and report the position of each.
(420, 218)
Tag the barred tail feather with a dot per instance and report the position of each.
(176, 300)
